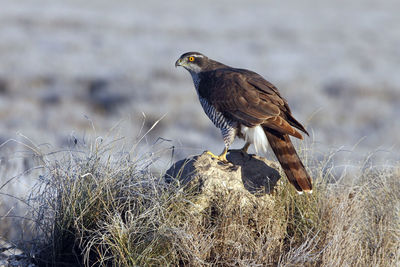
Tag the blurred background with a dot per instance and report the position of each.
(73, 69)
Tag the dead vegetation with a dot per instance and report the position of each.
(95, 207)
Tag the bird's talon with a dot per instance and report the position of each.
(211, 154)
(221, 157)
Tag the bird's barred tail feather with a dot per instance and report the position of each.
(289, 160)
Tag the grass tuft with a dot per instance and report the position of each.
(99, 208)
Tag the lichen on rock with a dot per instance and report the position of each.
(249, 176)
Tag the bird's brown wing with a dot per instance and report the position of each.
(246, 97)
(263, 85)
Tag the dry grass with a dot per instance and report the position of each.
(100, 208)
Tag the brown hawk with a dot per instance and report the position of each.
(242, 103)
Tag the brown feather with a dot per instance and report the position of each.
(289, 160)
(282, 126)
(247, 99)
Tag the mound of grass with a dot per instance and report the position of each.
(99, 208)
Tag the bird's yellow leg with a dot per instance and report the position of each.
(245, 147)
(221, 157)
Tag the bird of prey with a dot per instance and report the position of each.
(242, 103)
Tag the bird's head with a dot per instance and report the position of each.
(194, 62)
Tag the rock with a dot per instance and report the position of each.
(102, 99)
(50, 97)
(249, 176)
(4, 89)
(12, 256)
(339, 89)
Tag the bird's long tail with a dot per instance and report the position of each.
(289, 160)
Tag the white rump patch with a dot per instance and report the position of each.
(257, 137)
(301, 192)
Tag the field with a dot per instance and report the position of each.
(75, 72)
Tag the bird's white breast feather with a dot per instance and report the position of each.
(257, 137)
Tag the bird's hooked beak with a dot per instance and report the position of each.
(178, 63)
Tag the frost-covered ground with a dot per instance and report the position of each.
(67, 67)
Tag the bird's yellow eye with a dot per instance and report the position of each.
(191, 59)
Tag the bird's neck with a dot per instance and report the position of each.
(196, 79)
(197, 73)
